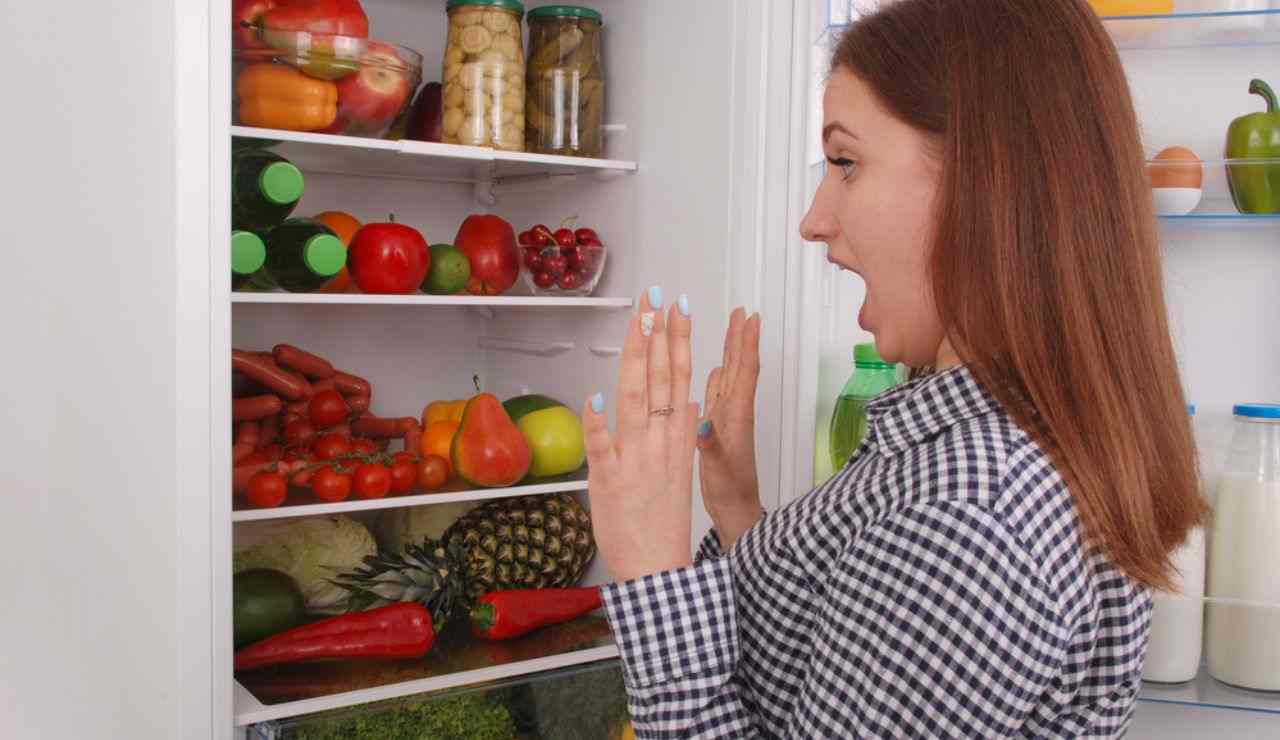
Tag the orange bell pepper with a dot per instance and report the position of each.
(443, 411)
(279, 96)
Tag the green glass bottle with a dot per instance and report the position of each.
(871, 377)
(248, 254)
(302, 255)
(265, 188)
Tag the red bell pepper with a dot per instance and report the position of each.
(341, 17)
(393, 632)
(502, 615)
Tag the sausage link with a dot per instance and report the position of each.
(268, 430)
(381, 428)
(351, 385)
(358, 403)
(312, 366)
(265, 371)
(247, 432)
(412, 437)
(255, 407)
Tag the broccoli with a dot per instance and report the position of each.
(466, 717)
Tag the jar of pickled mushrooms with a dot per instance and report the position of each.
(484, 72)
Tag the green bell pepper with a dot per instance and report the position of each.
(1255, 186)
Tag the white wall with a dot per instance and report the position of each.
(87, 456)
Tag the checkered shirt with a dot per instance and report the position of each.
(937, 586)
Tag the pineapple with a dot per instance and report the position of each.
(522, 542)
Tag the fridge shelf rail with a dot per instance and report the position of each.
(457, 659)
(426, 161)
(299, 504)
(360, 299)
(1210, 27)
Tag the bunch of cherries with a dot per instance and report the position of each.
(567, 259)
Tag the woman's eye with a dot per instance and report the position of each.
(847, 166)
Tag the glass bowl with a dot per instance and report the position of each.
(562, 271)
(324, 83)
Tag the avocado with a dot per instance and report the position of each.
(522, 405)
(264, 602)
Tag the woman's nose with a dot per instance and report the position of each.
(819, 224)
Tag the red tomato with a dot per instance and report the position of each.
(404, 456)
(403, 475)
(299, 433)
(327, 408)
(433, 471)
(329, 485)
(371, 480)
(362, 446)
(267, 489)
(388, 258)
(330, 446)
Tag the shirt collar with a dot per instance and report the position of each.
(913, 412)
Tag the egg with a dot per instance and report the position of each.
(1176, 167)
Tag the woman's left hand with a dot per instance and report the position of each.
(640, 480)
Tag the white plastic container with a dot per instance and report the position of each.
(1177, 619)
(1243, 613)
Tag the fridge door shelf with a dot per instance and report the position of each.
(425, 161)
(1214, 201)
(1206, 692)
(457, 659)
(301, 504)
(1215, 25)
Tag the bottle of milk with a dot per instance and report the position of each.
(1177, 618)
(1243, 612)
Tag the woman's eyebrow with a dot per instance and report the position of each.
(830, 127)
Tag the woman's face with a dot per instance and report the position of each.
(874, 210)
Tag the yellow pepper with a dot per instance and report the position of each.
(443, 411)
(279, 96)
(1113, 8)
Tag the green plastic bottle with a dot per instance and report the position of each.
(871, 377)
(248, 254)
(265, 188)
(301, 256)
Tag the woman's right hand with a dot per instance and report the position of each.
(727, 433)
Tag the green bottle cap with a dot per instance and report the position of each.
(324, 254)
(281, 183)
(247, 252)
(866, 356)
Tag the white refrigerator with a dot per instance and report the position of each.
(117, 517)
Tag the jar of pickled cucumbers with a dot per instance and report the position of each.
(564, 107)
(483, 97)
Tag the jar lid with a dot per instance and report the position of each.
(866, 355)
(1257, 410)
(566, 11)
(515, 6)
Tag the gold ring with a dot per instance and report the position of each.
(664, 411)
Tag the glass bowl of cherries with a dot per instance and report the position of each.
(564, 262)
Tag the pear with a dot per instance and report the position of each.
(489, 450)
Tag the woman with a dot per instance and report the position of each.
(982, 567)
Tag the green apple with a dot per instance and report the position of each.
(554, 434)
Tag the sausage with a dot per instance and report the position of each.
(384, 428)
(413, 438)
(255, 407)
(351, 385)
(298, 407)
(265, 371)
(286, 355)
(240, 452)
(247, 432)
(268, 430)
(241, 474)
(358, 403)
(323, 385)
(307, 390)
(302, 478)
(343, 429)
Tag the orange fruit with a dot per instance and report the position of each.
(437, 438)
(345, 226)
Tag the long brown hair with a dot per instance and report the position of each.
(1046, 261)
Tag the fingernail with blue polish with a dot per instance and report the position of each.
(655, 297)
(704, 428)
(597, 403)
(683, 303)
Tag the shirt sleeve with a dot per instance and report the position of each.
(709, 548)
(935, 621)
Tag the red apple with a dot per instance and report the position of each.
(246, 20)
(490, 244)
(388, 258)
(340, 17)
(427, 120)
(376, 94)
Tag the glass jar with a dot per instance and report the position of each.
(1243, 613)
(565, 96)
(483, 77)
